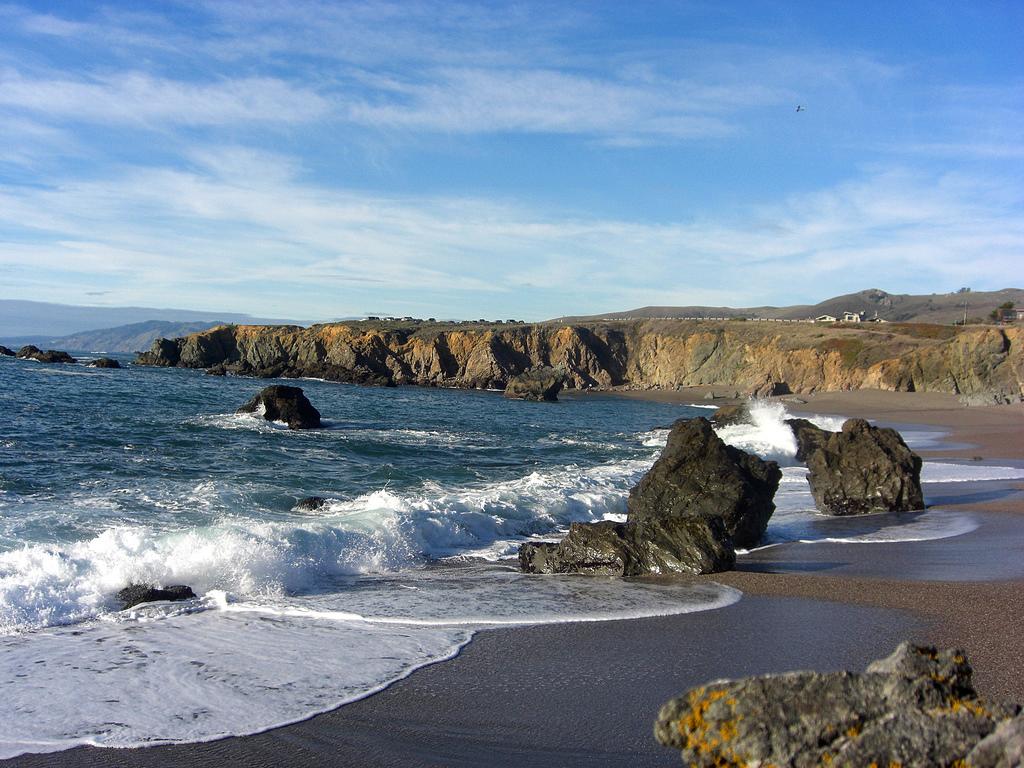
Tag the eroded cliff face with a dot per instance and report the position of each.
(983, 364)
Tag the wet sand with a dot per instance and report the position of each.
(575, 694)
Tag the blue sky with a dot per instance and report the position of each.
(318, 160)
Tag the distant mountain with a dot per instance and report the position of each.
(20, 319)
(135, 337)
(941, 308)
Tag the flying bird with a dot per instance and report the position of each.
(800, 108)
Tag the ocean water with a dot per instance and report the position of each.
(147, 475)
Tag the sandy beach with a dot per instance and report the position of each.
(575, 694)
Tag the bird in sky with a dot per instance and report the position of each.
(800, 108)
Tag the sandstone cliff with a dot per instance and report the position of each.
(983, 364)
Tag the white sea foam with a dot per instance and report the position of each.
(162, 674)
(49, 584)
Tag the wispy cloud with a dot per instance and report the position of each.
(239, 219)
(136, 97)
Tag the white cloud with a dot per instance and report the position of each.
(240, 219)
(136, 97)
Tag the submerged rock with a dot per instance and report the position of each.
(697, 474)
(6, 352)
(859, 470)
(104, 362)
(283, 403)
(541, 383)
(134, 594)
(680, 545)
(311, 504)
(32, 352)
(915, 708)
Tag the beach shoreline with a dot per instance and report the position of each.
(588, 692)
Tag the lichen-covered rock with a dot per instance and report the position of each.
(283, 403)
(1003, 748)
(699, 475)
(32, 352)
(134, 594)
(916, 708)
(859, 470)
(104, 362)
(543, 383)
(679, 545)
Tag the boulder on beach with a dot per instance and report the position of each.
(917, 707)
(6, 352)
(541, 383)
(859, 470)
(679, 545)
(697, 474)
(134, 594)
(283, 403)
(32, 352)
(699, 500)
(104, 362)
(770, 388)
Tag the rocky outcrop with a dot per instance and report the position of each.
(917, 707)
(542, 383)
(5, 352)
(730, 415)
(697, 474)
(32, 352)
(699, 499)
(283, 403)
(134, 594)
(980, 364)
(677, 545)
(104, 362)
(859, 470)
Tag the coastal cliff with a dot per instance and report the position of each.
(983, 364)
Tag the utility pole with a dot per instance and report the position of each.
(966, 292)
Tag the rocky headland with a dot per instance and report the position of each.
(983, 364)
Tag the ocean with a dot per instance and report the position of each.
(110, 477)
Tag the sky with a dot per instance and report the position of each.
(507, 160)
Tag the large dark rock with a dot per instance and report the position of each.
(6, 352)
(104, 362)
(697, 474)
(541, 383)
(32, 352)
(859, 470)
(730, 415)
(134, 594)
(679, 545)
(283, 403)
(165, 353)
(915, 708)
